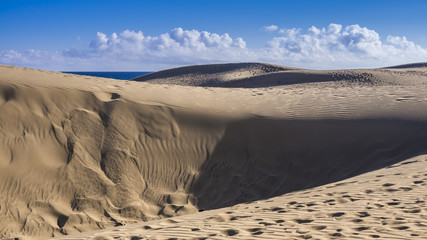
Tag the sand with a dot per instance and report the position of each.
(258, 75)
(384, 204)
(214, 151)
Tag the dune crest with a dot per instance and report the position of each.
(411, 65)
(256, 75)
(211, 74)
(82, 153)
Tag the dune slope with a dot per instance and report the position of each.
(211, 74)
(78, 154)
(389, 203)
(255, 75)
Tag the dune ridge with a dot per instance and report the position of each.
(255, 75)
(82, 153)
(410, 65)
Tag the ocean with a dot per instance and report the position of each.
(115, 75)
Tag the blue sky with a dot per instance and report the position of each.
(152, 35)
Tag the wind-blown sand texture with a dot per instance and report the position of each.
(273, 154)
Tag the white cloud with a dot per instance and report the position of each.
(177, 46)
(332, 47)
(335, 46)
(270, 28)
(176, 40)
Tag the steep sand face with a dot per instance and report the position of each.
(82, 153)
(259, 158)
(71, 161)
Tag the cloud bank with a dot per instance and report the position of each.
(321, 48)
(176, 46)
(352, 45)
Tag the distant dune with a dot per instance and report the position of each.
(82, 153)
(411, 65)
(211, 74)
(255, 75)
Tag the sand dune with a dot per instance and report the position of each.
(211, 74)
(255, 75)
(83, 153)
(410, 65)
(384, 204)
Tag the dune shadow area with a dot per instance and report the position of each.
(261, 158)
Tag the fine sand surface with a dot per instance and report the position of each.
(383, 204)
(280, 153)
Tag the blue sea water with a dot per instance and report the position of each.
(115, 75)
